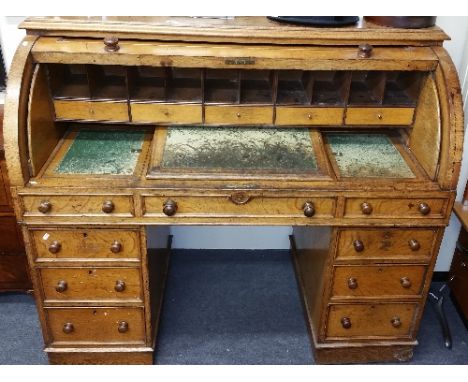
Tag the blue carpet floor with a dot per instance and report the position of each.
(226, 307)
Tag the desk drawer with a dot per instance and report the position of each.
(379, 116)
(92, 326)
(91, 110)
(361, 321)
(90, 283)
(86, 243)
(163, 113)
(385, 244)
(378, 281)
(370, 208)
(239, 115)
(78, 205)
(236, 205)
(308, 115)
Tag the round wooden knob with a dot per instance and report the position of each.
(55, 247)
(238, 115)
(68, 328)
(405, 282)
(414, 245)
(366, 208)
(309, 209)
(358, 245)
(309, 116)
(45, 206)
(61, 286)
(123, 327)
(111, 44)
(346, 322)
(352, 283)
(364, 50)
(169, 207)
(119, 286)
(424, 208)
(116, 247)
(108, 206)
(396, 322)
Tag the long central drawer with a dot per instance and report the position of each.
(239, 205)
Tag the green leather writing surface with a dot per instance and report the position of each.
(102, 152)
(367, 155)
(240, 150)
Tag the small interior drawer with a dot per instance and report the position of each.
(361, 321)
(91, 283)
(308, 115)
(91, 110)
(92, 326)
(239, 115)
(166, 113)
(385, 244)
(378, 281)
(86, 244)
(379, 116)
(78, 205)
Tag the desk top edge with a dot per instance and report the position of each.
(235, 30)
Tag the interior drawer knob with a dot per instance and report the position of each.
(352, 283)
(123, 327)
(309, 209)
(111, 44)
(108, 207)
(169, 207)
(396, 322)
(414, 245)
(240, 198)
(68, 328)
(55, 247)
(365, 50)
(358, 245)
(119, 286)
(346, 322)
(45, 206)
(424, 208)
(61, 286)
(405, 282)
(116, 247)
(366, 208)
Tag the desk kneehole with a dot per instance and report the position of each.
(238, 204)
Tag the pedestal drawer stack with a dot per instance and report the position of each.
(92, 289)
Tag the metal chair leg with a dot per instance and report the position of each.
(438, 304)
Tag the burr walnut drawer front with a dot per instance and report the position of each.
(378, 281)
(90, 326)
(385, 244)
(91, 283)
(93, 243)
(91, 110)
(163, 113)
(392, 320)
(78, 205)
(238, 204)
(379, 116)
(308, 115)
(239, 115)
(396, 208)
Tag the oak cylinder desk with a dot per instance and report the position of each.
(352, 135)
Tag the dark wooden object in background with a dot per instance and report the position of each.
(459, 267)
(13, 263)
